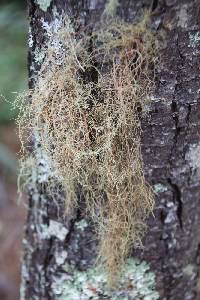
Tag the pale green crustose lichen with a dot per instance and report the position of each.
(159, 188)
(43, 4)
(194, 39)
(194, 42)
(82, 224)
(55, 229)
(137, 282)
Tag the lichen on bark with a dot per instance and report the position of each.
(43, 4)
(100, 157)
(172, 248)
(137, 282)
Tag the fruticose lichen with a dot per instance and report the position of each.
(137, 282)
(84, 114)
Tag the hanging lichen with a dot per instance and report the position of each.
(84, 113)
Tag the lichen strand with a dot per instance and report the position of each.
(43, 4)
(137, 282)
(85, 113)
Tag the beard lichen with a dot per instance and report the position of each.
(84, 113)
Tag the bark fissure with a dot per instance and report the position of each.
(177, 199)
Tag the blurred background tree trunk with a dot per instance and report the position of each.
(13, 78)
(54, 245)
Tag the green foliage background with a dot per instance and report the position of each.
(13, 55)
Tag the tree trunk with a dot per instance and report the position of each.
(59, 253)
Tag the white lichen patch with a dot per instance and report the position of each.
(24, 276)
(39, 55)
(60, 257)
(55, 229)
(137, 282)
(58, 230)
(159, 188)
(30, 38)
(43, 4)
(171, 215)
(81, 224)
(43, 166)
(194, 39)
(53, 34)
(193, 157)
(194, 42)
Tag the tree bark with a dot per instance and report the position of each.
(171, 153)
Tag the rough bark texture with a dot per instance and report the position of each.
(171, 152)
